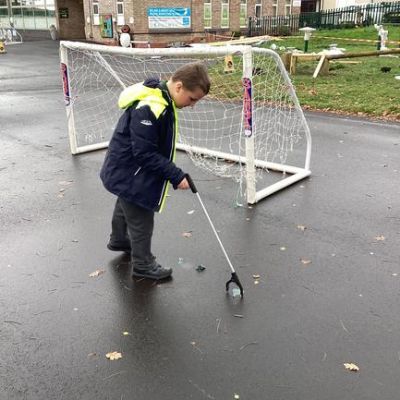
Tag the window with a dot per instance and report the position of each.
(288, 7)
(225, 14)
(120, 13)
(4, 19)
(243, 13)
(207, 14)
(257, 13)
(95, 10)
(274, 8)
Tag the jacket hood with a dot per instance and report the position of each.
(139, 92)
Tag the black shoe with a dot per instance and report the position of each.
(157, 273)
(125, 249)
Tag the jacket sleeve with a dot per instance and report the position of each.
(145, 134)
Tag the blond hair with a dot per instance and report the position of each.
(193, 76)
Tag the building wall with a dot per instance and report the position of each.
(328, 4)
(136, 11)
(71, 27)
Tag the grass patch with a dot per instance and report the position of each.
(362, 88)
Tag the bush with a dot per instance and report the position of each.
(347, 24)
(282, 30)
(237, 34)
(392, 17)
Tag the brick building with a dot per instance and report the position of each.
(159, 22)
(170, 22)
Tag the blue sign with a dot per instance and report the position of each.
(168, 12)
(169, 18)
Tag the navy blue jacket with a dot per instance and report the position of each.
(139, 161)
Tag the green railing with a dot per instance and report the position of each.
(277, 26)
(363, 15)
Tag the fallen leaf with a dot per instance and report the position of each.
(305, 262)
(96, 273)
(114, 355)
(187, 234)
(190, 212)
(283, 248)
(236, 396)
(200, 268)
(256, 282)
(125, 333)
(301, 227)
(256, 276)
(351, 367)
(379, 238)
(65, 183)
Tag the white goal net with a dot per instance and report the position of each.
(249, 123)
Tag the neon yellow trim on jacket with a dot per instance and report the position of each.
(164, 196)
(156, 108)
(145, 95)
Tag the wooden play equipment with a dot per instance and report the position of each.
(290, 60)
(323, 65)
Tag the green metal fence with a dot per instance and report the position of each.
(277, 26)
(363, 15)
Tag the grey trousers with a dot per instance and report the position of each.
(133, 226)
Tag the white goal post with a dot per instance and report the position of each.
(249, 124)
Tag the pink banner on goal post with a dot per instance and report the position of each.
(247, 108)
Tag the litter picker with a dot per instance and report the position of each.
(234, 278)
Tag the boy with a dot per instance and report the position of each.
(140, 161)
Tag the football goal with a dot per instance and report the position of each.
(248, 127)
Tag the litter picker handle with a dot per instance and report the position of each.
(191, 183)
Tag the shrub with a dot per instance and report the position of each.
(392, 17)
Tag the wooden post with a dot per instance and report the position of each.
(293, 64)
(285, 57)
(319, 66)
(325, 67)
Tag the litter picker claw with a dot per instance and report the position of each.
(234, 278)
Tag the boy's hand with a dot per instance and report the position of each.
(183, 184)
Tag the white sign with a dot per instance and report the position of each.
(296, 3)
(169, 18)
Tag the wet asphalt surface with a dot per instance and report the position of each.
(326, 250)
